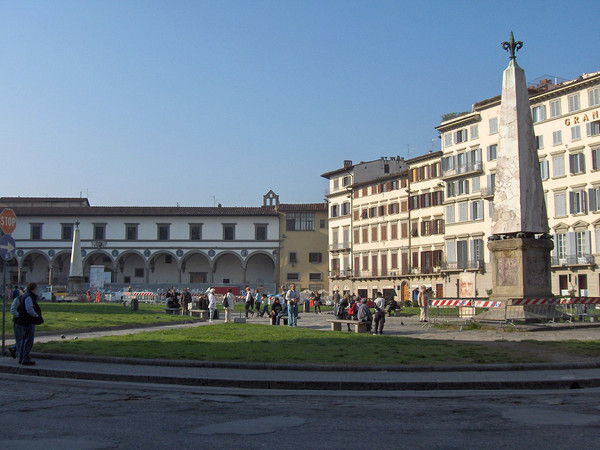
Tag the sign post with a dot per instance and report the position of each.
(8, 223)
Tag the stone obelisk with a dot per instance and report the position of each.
(76, 279)
(520, 243)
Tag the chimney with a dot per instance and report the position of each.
(347, 163)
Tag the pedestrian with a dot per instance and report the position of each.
(292, 298)
(266, 305)
(317, 302)
(257, 301)
(212, 304)
(392, 307)
(283, 313)
(97, 296)
(336, 297)
(423, 300)
(249, 302)
(88, 297)
(228, 304)
(186, 300)
(364, 314)
(379, 316)
(30, 315)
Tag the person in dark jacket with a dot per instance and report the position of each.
(30, 315)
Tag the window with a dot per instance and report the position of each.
(346, 181)
(557, 137)
(596, 158)
(168, 259)
(539, 142)
(538, 113)
(577, 163)
(36, 231)
(475, 186)
(315, 258)
(493, 122)
(558, 166)
(336, 184)
(304, 221)
(163, 232)
(447, 139)
(555, 109)
(322, 222)
(195, 231)
(575, 133)
(384, 232)
(474, 131)
(315, 276)
(560, 204)
(460, 136)
(491, 183)
(374, 233)
(139, 272)
(477, 210)
(293, 276)
(462, 212)
(477, 249)
(594, 97)
(592, 128)
(228, 231)
(99, 231)
(66, 231)
(260, 232)
(492, 152)
(293, 257)
(131, 232)
(449, 213)
(345, 209)
(561, 245)
(578, 202)
(594, 199)
(581, 243)
(334, 212)
(574, 102)
(545, 169)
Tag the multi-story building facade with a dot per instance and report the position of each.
(387, 234)
(154, 247)
(566, 120)
(302, 244)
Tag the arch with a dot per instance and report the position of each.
(126, 265)
(163, 267)
(60, 267)
(196, 267)
(35, 267)
(260, 268)
(260, 252)
(227, 268)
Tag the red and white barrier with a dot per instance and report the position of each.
(580, 300)
(487, 304)
(450, 303)
(534, 301)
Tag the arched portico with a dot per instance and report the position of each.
(260, 268)
(228, 269)
(196, 268)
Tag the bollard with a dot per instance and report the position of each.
(134, 304)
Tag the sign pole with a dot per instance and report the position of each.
(4, 269)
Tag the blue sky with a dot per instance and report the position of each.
(200, 102)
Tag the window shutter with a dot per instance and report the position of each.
(572, 202)
(571, 243)
(555, 249)
(593, 200)
(588, 243)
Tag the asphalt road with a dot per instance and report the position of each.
(64, 414)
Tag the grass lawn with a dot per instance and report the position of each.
(259, 343)
(581, 348)
(87, 316)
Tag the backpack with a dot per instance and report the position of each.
(225, 302)
(338, 311)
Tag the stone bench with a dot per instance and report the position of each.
(283, 320)
(336, 325)
(167, 310)
(202, 313)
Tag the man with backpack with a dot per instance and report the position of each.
(29, 316)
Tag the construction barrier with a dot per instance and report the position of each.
(146, 297)
(464, 308)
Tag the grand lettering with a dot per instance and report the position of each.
(585, 118)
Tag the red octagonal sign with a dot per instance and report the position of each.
(8, 220)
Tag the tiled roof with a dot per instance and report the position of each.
(172, 211)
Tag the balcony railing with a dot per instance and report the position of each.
(462, 169)
(340, 273)
(487, 191)
(573, 260)
(462, 265)
(339, 246)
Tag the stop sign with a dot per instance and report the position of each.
(8, 220)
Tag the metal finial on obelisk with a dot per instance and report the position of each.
(512, 46)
